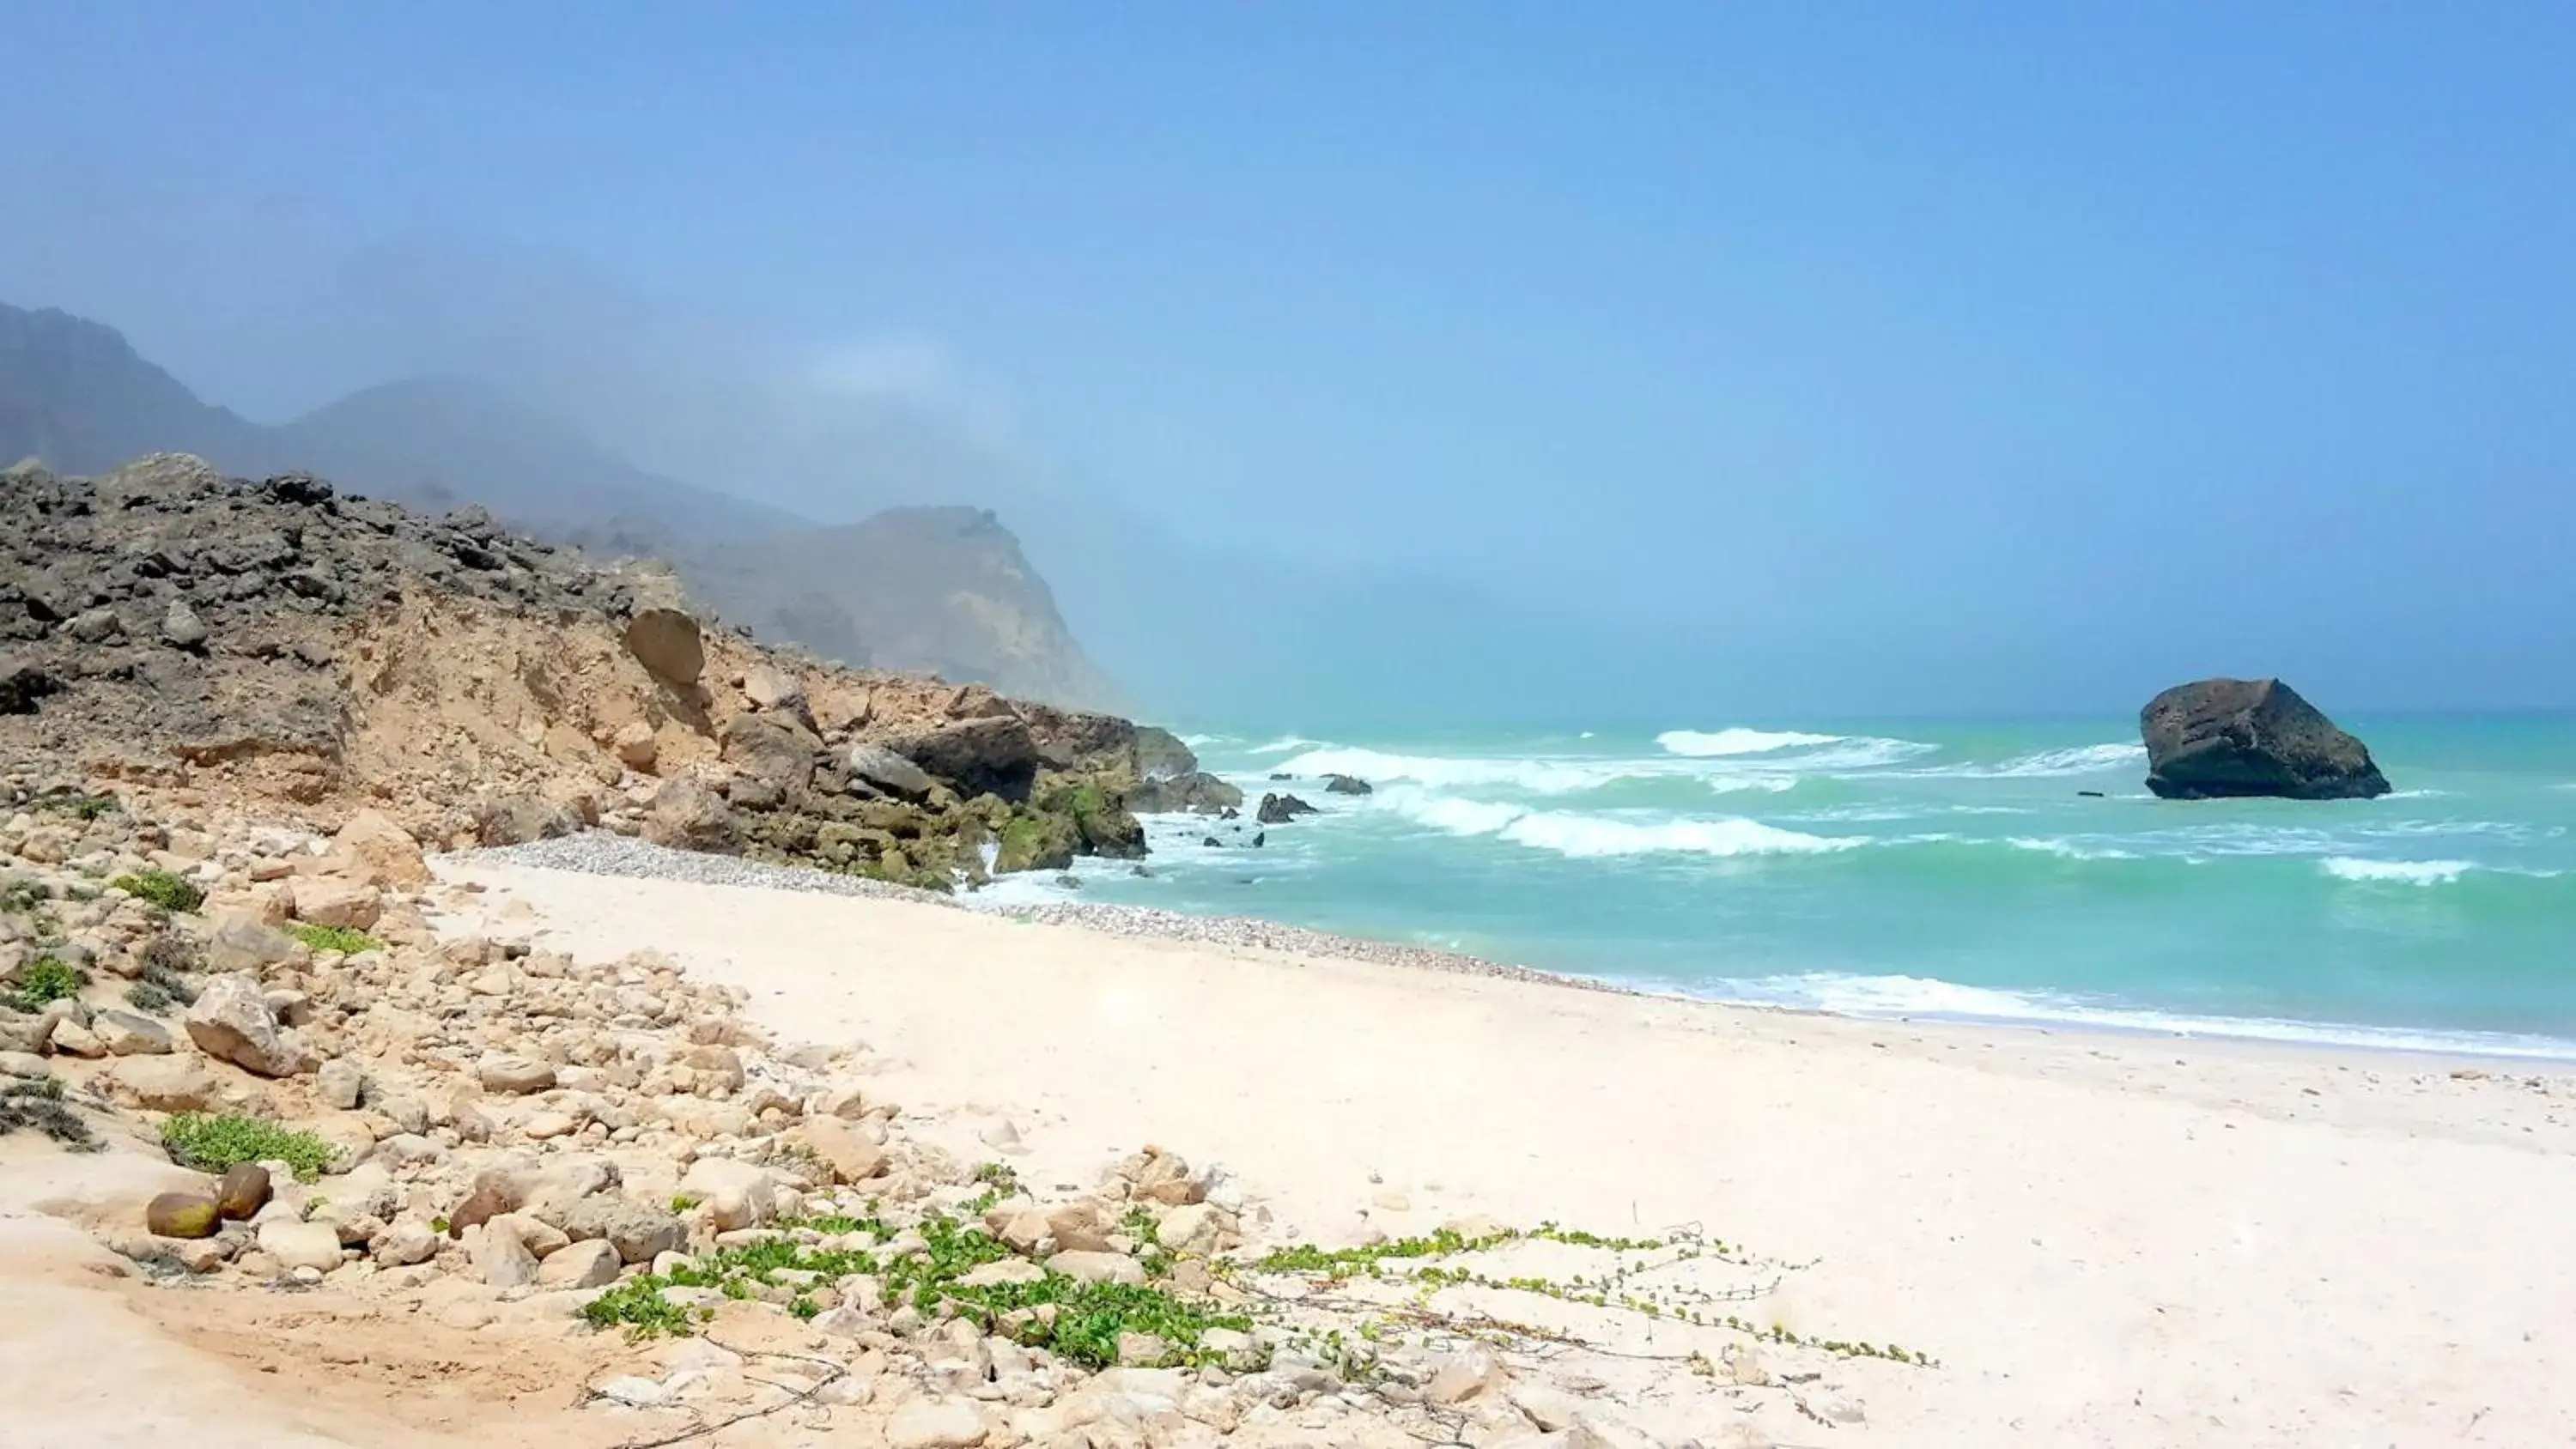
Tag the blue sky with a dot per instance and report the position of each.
(2007, 354)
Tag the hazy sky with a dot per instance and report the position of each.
(2020, 354)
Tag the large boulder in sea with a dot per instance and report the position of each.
(1197, 792)
(2221, 738)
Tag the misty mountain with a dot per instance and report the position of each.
(942, 589)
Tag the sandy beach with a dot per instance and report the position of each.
(2105, 1240)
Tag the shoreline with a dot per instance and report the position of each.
(599, 852)
(2127, 1241)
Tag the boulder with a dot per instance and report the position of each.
(935, 1424)
(513, 1075)
(1098, 1267)
(323, 900)
(341, 1083)
(182, 1215)
(1195, 792)
(686, 815)
(71, 1039)
(295, 1245)
(243, 1191)
(889, 772)
(636, 747)
(405, 1243)
(852, 1157)
(639, 1233)
(773, 690)
(996, 755)
(127, 1035)
(592, 1264)
(181, 628)
(1347, 785)
(501, 1257)
(242, 942)
(1160, 755)
(178, 1083)
(2221, 738)
(232, 1022)
(667, 643)
(372, 846)
(775, 748)
(22, 684)
(1278, 809)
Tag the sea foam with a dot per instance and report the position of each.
(1701, 746)
(1535, 774)
(1581, 836)
(2405, 872)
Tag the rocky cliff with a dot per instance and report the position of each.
(275, 638)
(944, 590)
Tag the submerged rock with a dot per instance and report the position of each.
(2221, 738)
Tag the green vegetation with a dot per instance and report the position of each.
(333, 938)
(18, 895)
(681, 1203)
(214, 1143)
(42, 980)
(162, 888)
(1078, 1321)
(39, 1106)
(163, 983)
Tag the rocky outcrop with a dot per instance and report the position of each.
(996, 755)
(1347, 785)
(2221, 738)
(1279, 809)
(1195, 793)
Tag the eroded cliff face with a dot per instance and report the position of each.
(942, 589)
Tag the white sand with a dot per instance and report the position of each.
(2109, 1241)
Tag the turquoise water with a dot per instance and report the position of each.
(1936, 869)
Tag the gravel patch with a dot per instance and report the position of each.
(604, 852)
(601, 852)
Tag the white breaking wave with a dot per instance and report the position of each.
(2048, 764)
(1731, 784)
(1582, 836)
(1539, 775)
(1699, 746)
(1283, 745)
(1919, 996)
(2408, 872)
(2069, 850)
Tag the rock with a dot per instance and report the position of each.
(737, 1194)
(182, 1215)
(71, 1039)
(686, 815)
(340, 1083)
(2233, 737)
(1197, 1230)
(1347, 785)
(176, 1083)
(128, 1035)
(1463, 1375)
(996, 755)
(22, 684)
(520, 818)
(242, 943)
(667, 643)
(301, 1245)
(323, 900)
(513, 1075)
(1141, 1350)
(592, 1264)
(774, 748)
(774, 690)
(935, 1424)
(25, 1065)
(97, 626)
(635, 746)
(1034, 840)
(1004, 1270)
(242, 1191)
(1161, 755)
(407, 1242)
(634, 1392)
(382, 851)
(1279, 809)
(637, 1232)
(231, 1022)
(888, 771)
(181, 628)
(1196, 793)
(501, 1257)
(1098, 1267)
(852, 1157)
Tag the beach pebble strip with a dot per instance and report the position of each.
(601, 852)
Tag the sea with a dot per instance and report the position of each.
(2002, 872)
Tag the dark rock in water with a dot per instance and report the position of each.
(1069, 881)
(1281, 775)
(1229, 813)
(1260, 838)
(2222, 738)
(1212, 842)
(996, 755)
(2090, 794)
(1144, 872)
(1197, 792)
(1280, 809)
(1347, 785)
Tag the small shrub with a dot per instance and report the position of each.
(42, 980)
(40, 1106)
(162, 888)
(333, 938)
(19, 896)
(162, 983)
(681, 1203)
(638, 1307)
(214, 1143)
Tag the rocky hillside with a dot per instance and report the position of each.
(165, 624)
(941, 590)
